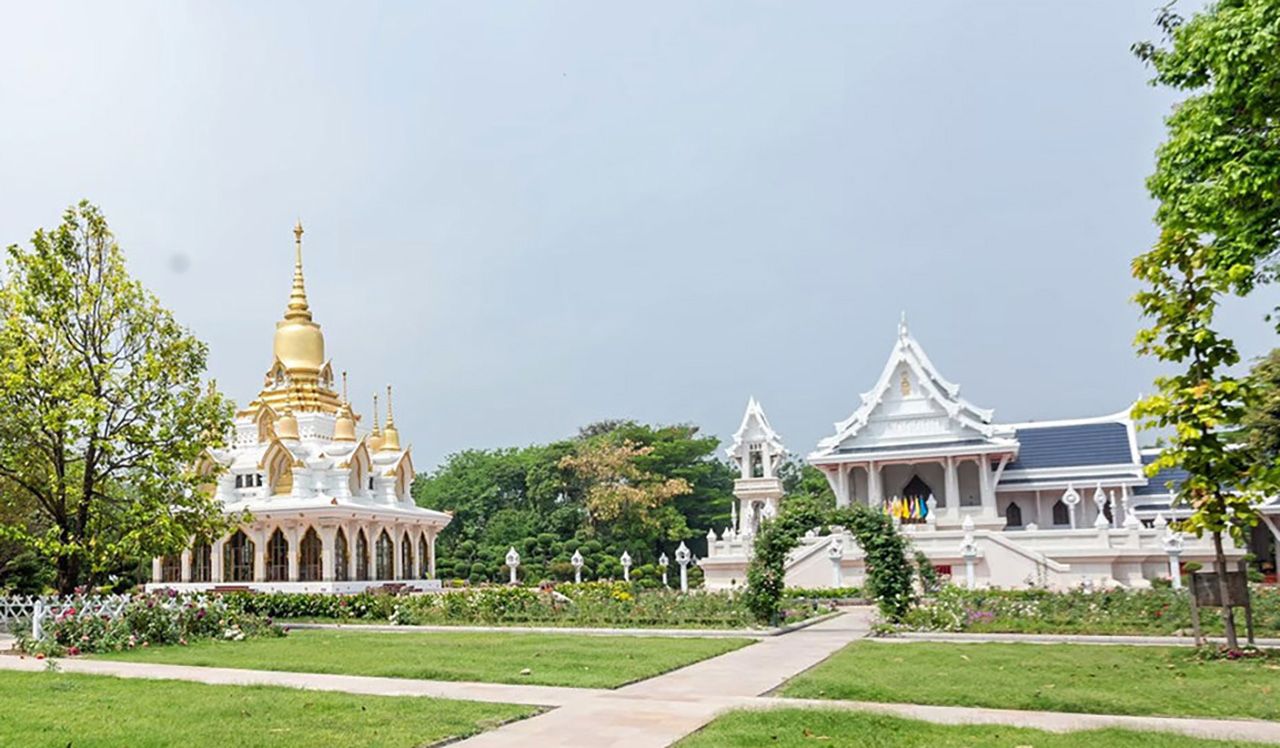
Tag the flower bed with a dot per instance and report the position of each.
(605, 604)
(146, 621)
(1119, 611)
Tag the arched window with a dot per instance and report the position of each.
(237, 558)
(384, 557)
(362, 556)
(1013, 515)
(171, 568)
(1061, 515)
(341, 557)
(201, 562)
(406, 557)
(422, 556)
(277, 558)
(310, 551)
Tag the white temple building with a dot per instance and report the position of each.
(1051, 504)
(328, 503)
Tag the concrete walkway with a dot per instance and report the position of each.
(1137, 641)
(661, 710)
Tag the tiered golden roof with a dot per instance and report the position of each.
(300, 378)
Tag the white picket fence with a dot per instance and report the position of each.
(16, 612)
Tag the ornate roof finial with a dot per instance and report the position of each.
(298, 295)
(391, 435)
(376, 430)
(902, 325)
(391, 419)
(345, 399)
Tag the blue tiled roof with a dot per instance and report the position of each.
(1072, 445)
(1157, 486)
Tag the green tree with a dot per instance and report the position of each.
(1261, 434)
(103, 414)
(1216, 180)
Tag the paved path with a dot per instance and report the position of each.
(1139, 641)
(659, 711)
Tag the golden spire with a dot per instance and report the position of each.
(344, 429)
(345, 399)
(298, 308)
(375, 437)
(391, 442)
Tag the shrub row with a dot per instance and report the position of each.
(1078, 611)
(585, 604)
(146, 621)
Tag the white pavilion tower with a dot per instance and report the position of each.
(758, 452)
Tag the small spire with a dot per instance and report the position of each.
(902, 325)
(345, 399)
(391, 419)
(298, 307)
(376, 430)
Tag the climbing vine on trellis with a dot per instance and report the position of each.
(889, 574)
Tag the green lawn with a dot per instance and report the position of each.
(792, 728)
(60, 709)
(1054, 677)
(551, 659)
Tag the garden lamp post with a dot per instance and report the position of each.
(682, 558)
(626, 566)
(513, 562)
(1172, 543)
(1071, 499)
(577, 566)
(835, 552)
(663, 563)
(969, 549)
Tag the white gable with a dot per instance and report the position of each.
(755, 429)
(910, 404)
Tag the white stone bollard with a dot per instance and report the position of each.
(1172, 543)
(663, 563)
(577, 562)
(513, 563)
(682, 557)
(626, 566)
(835, 552)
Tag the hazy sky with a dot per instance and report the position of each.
(529, 216)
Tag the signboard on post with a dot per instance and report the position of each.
(1204, 586)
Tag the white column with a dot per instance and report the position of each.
(431, 554)
(875, 497)
(329, 553)
(186, 565)
(260, 554)
(952, 488)
(215, 561)
(291, 536)
(1039, 512)
(396, 572)
(985, 484)
(157, 564)
(844, 483)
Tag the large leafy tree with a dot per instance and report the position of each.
(1217, 177)
(103, 412)
(616, 486)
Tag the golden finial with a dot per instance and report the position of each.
(345, 399)
(391, 419)
(298, 295)
(376, 430)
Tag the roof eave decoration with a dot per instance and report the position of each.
(907, 350)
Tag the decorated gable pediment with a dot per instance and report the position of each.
(911, 404)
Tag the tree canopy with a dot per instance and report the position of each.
(103, 411)
(1216, 180)
(616, 486)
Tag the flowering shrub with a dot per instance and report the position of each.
(153, 619)
(585, 604)
(1157, 611)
